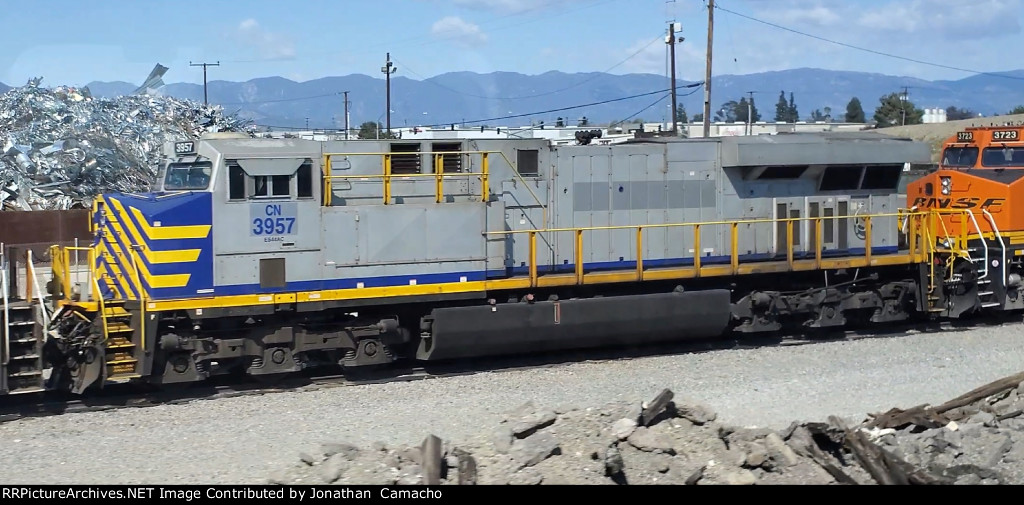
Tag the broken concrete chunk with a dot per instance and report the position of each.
(779, 452)
(655, 407)
(697, 413)
(623, 428)
(431, 455)
(531, 422)
(532, 450)
(650, 441)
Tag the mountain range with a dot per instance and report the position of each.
(477, 99)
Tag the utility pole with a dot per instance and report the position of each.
(346, 115)
(673, 27)
(903, 105)
(388, 69)
(707, 72)
(206, 100)
(750, 113)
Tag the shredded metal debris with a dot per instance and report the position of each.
(60, 147)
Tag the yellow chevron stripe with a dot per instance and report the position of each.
(153, 257)
(167, 232)
(113, 284)
(154, 281)
(119, 275)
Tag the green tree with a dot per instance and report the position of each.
(782, 108)
(740, 111)
(681, 116)
(698, 117)
(374, 130)
(955, 114)
(1018, 110)
(854, 111)
(743, 107)
(794, 115)
(727, 112)
(895, 111)
(817, 115)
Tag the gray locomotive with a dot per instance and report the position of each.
(270, 255)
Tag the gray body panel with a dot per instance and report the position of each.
(358, 241)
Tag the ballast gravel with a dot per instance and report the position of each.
(243, 440)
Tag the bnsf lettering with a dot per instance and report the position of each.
(958, 203)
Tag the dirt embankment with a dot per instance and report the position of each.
(936, 133)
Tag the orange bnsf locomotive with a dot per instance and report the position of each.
(973, 194)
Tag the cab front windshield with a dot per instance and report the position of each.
(1003, 157)
(959, 156)
(188, 176)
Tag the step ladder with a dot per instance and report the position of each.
(986, 295)
(122, 363)
(22, 353)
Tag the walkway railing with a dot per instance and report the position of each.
(922, 226)
(387, 176)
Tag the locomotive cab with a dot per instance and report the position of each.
(989, 147)
(981, 175)
(186, 168)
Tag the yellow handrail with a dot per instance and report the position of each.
(103, 311)
(702, 223)
(65, 267)
(142, 303)
(438, 175)
(387, 176)
(734, 256)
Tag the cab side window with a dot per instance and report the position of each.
(236, 182)
(304, 178)
(242, 186)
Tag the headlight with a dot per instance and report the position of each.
(947, 185)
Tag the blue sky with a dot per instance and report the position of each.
(75, 42)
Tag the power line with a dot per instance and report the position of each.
(282, 99)
(880, 53)
(560, 109)
(546, 93)
(641, 111)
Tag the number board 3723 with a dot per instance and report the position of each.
(273, 220)
(1005, 135)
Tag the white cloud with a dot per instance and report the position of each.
(505, 6)
(454, 27)
(268, 45)
(818, 15)
(944, 18)
(652, 58)
(801, 13)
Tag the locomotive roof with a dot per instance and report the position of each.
(817, 148)
(780, 138)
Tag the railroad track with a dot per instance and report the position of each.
(140, 395)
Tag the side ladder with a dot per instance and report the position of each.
(986, 295)
(122, 363)
(22, 363)
(21, 343)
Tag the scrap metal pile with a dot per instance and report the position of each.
(59, 147)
